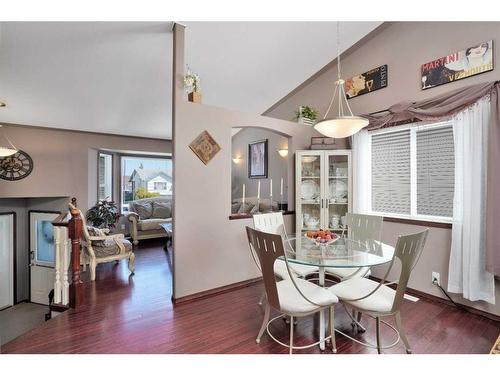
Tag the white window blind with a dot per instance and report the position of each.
(391, 172)
(435, 171)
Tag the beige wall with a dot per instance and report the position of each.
(277, 165)
(65, 162)
(404, 47)
(209, 249)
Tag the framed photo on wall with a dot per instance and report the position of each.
(257, 159)
(366, 82)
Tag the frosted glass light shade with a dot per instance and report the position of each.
(5, 151)
(341, 127)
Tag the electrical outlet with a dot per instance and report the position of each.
(122, 226)
(436, 278)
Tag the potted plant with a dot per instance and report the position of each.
(103, 215)
(192, 86)
(306, 115)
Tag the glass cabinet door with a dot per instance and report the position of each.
(338, 189)
(309, 190)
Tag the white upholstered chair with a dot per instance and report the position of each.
(291, 296)
(378, 300)
(366, 229)
(104, 248)
(273, 223)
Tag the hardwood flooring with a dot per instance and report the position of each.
(134, 314)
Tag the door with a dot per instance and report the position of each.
(309, 190)
(338, 189)
(42, 252)
(7, 222)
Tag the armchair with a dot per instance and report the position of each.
(101, 247)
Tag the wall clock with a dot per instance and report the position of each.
(16, 167)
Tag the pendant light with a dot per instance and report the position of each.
(7, 148)
(343, 123)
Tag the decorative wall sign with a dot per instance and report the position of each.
(205, 147)
(462, 64)
(367, 82)
(257, 159)
(16, 167)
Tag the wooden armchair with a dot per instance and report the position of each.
(101, 247)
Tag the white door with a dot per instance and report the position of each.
(42, 256)
(6, 260)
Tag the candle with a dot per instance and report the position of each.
(271, 188)
(243, 198)
(258, 190)
(281, 188)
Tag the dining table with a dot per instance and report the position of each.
(344, 252)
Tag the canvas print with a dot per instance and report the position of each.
(257, 159)
(459, 65)
(205, 147)
(367, 82)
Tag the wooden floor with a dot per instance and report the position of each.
(134, 314)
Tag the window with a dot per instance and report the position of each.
(160, 186)
(144, 177)
(105, 177)
(413, 171)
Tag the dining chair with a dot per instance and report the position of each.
(367, 229)
(273, 223)
(293, 297)
(377, 299)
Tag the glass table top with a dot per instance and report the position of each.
(343, 253)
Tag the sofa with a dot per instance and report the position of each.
(146, 215)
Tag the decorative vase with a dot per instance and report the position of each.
(194, 97)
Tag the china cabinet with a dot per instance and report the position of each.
(323, 189)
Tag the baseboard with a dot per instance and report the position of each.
(434, 298)
(216, 291)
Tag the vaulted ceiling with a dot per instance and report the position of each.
(115, 77)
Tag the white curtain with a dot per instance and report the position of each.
(467, 268)
(362, 172)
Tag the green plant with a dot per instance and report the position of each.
(192, 82)
(103, 215)
(142, 192)
(306, 112)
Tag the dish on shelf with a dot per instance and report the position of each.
(338, 190)
(309, 189)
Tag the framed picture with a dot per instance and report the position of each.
(257, 159)
(367, 82)
(205, 147)
(459, 65)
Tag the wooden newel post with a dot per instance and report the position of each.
(75, 233)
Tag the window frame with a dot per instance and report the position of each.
(99, 153)
(414, 128)
(166, 156)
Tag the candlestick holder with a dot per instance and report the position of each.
(258, 205)
(270, 203)
(281, 203)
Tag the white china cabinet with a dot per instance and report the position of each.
(323, 189)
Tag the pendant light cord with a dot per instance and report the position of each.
(338, 74)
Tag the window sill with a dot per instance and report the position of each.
(423, 223)
(248, 216)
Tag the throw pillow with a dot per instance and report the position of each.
(161, 210)
(235, 207)
(143, 209)
(245, 208)
(96, 232)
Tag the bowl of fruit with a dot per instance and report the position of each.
(322, 237)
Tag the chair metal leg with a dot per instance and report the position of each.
(402, 334)
(378, 335)
(267, 312)
(291, 334)
(262, 298)
(332, 329)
